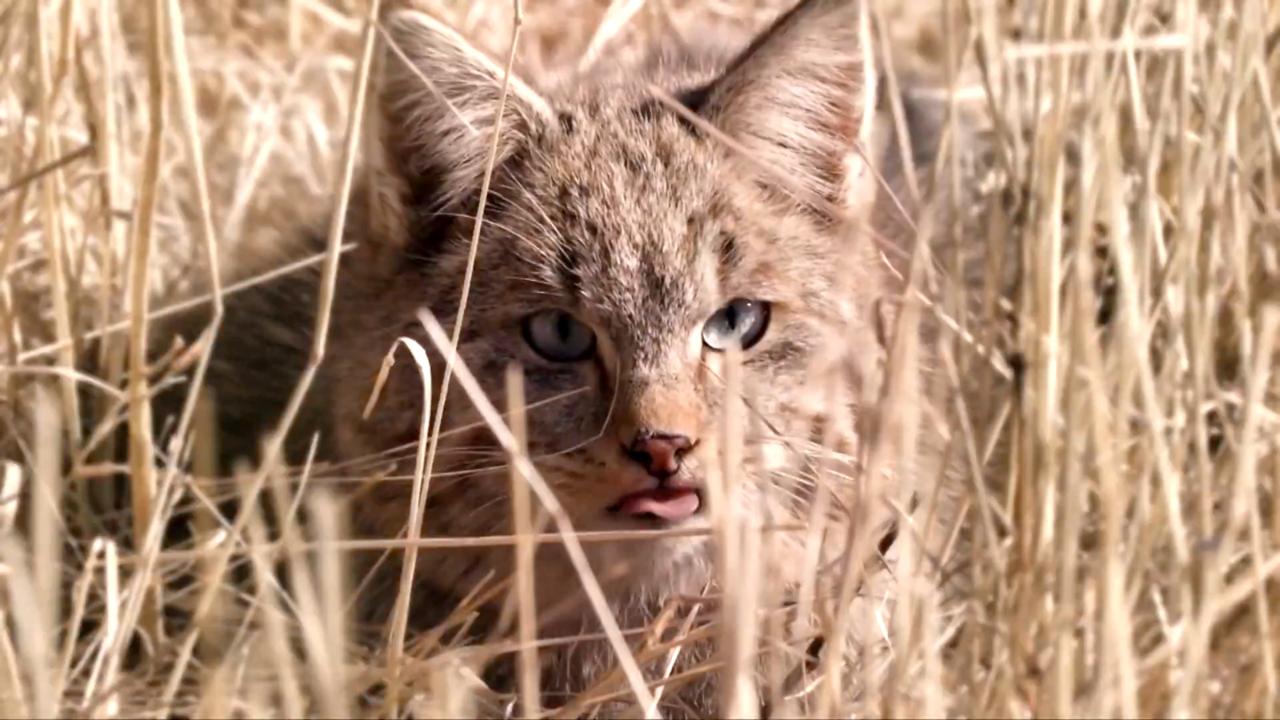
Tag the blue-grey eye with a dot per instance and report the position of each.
(558, 336)
(742, 321)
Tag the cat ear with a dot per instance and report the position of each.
(801, 98)
(439, 101)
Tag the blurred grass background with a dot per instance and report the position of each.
(1122, 561)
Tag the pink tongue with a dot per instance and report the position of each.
(666, 503)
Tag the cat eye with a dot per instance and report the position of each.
(741, 321)
(558, 336)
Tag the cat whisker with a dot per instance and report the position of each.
(407, 449)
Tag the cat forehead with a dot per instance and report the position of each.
(623, 199)
(626, 155)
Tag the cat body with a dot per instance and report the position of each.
(626, 247)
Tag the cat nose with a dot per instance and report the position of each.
(660, 453)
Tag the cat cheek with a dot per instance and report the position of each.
(713, 362)
(607, 360)
(693, 345)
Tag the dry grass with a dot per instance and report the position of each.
(1121, 541)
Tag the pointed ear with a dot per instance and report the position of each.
(439, 102)
(802, 96)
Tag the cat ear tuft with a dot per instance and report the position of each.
(439, 102)
(802, 96)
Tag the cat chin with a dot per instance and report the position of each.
(657, 568)
(638, 578)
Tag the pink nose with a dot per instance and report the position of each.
(659, 453)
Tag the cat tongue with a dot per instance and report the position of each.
(666, 503)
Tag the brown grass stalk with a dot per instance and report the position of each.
(417, 507)
(142, 478)
(522, 525)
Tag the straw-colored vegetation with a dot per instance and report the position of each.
(1120, 558)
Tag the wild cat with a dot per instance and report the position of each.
(631, 241)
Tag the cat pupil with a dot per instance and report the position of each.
(731, 316)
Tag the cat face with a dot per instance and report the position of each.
(628, 250)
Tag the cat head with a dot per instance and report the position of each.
(632, 243)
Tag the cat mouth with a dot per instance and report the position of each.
(665, 503)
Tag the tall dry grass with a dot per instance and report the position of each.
(1118, 426)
